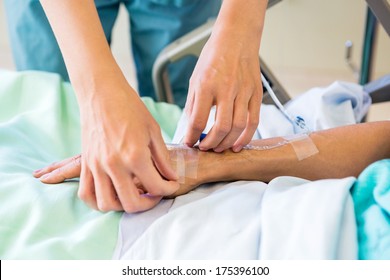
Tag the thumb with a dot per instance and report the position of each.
(160, 156)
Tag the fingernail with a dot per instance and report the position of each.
(236, 149)
(218, 150)
(203, 149)
(188, 144)
(37, 171)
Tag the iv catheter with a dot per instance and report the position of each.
(298, 122)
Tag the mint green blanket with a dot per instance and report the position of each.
(371, 195)
(39, 124)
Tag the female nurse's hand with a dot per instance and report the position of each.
(227, 75)
(121, 141)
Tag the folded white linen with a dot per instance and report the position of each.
(308, 220)
(220, 224)
(292, 218)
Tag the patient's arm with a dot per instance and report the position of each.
(343, 151)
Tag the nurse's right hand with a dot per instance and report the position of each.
(120, 141)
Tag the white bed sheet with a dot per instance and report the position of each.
(291, 218)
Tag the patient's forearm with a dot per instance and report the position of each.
(343, 152)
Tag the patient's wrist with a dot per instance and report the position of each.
(249, 164)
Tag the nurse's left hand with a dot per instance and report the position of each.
(227, 75)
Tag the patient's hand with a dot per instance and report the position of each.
(205, 172)
(58, 172)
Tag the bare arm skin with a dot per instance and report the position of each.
(228, 75)
(343, 152)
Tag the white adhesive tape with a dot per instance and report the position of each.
(185, 160)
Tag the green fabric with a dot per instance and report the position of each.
(39, 124)
(371, 195)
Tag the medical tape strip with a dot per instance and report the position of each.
(185, 161)
(302, 144)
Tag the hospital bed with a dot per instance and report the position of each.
(290, 218)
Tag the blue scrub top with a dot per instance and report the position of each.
(154, 24)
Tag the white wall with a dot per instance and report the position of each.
(305, 39)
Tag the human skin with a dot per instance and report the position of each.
(228, 75)
(111, 112)
(343, 152)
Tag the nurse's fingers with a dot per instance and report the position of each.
(132, 200)
(252, 123)
(160, 156)
(198, 116)
(222, 126)
(240, 116)
(67, 170)
(106, 196)
(145, 170)
(86, 190)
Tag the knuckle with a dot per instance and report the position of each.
(157, 192)
(104, 205)
(230, 96)
(223, 128)
(240, 125)
(207, 87)
(76, 160)
(259, 88)
(134, 156)
(83, 194)
(111, 160)
(129, 207)
(196, 126)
